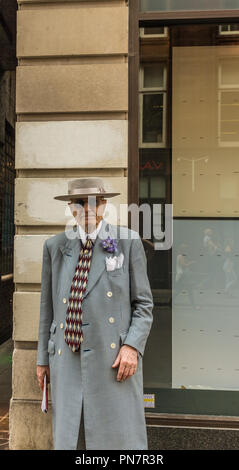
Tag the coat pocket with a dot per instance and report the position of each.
(116, 272)
(53, 327)
(51, 347)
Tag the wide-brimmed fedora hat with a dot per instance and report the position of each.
(83, 187)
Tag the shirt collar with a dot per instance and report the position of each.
(92, 235)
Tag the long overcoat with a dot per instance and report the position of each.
(117, 309)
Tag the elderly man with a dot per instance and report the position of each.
(95, 317)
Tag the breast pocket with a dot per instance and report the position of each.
(116, 272)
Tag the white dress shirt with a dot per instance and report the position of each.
(92, 235)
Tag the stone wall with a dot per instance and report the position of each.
(72, 121)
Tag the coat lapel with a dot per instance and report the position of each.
(71, 250)
(98, 257)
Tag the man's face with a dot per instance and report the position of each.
(88, 211)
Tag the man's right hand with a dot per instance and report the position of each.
(41, 372)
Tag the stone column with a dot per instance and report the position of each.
(72, 121)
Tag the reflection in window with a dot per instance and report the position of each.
(153, 76)
(158, 187)
(205, 304)
(228, 29)
(190, 5)
(157, 32)
(153, 118)
(143, 188)
(229, 102)
(193, 344)
(152, 187)
(152, 105)
(205, 121)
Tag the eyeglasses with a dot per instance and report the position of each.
(92, 202)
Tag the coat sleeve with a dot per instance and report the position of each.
(46, 310)
(141, 298)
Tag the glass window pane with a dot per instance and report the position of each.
(229, 120)
(190, 5)
(143, 188)
(225, 27)
(154, 76)
(153, 117)
(157, 187)
(229, 28)
(177, 5)
(193, 343)
(205, 300)
(156, 30)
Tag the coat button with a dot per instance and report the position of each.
(64, 300)
(59, 352)
(62, 325)
(111, 319)
(113, 345)
(109, 294)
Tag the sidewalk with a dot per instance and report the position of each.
(6, 350)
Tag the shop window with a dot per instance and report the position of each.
(187, 5)
(188, 150)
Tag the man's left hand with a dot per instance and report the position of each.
(127, 360)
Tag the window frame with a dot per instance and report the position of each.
(156, 35)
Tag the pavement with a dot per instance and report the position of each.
(6, 350)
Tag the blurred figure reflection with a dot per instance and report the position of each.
(211, 249)
(183, 277)
(228, 268)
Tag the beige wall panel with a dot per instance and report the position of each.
(218, 198)
(35, 203)
(205, 143)
(30, 429)
(74, 31)
(24, 380)
(28, 258)
(55, 88)
(72, 144)
(26, 307)
(72, 88)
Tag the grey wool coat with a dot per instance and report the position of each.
(117, 309)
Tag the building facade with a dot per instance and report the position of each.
(7, 161)
(145, 94)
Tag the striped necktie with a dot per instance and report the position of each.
(73, 332)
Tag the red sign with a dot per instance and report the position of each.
(151, 165)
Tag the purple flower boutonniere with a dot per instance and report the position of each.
(110, 245)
